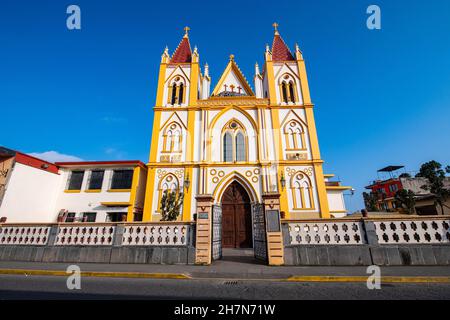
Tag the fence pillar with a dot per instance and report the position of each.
(370, 233)
(52, 234)
(118, 235)
(286, 235)
(203, 233)
(275, 248)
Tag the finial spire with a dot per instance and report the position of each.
(186, 31)
(231, 57)
(275, 26)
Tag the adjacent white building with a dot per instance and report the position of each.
(36, 191)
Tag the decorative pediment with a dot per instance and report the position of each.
(232, 83)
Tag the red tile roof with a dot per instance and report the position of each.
(99, 163)
(183, 52)
(37, 163)
(280, 51)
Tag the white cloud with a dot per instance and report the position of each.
(110, 119)
(115, 153)
(54, 156)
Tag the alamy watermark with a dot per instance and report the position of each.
(374, 20)
(73, 21)
(74, 280)
(374, 280)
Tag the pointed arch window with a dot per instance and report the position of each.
(291, 91)
(168, 182)
(180, 94)
(174, 94)
(227, 147)
(240, 147)
(284, 92)
(234, 144)
(294, 135)
(301, 191)
(172, 138)
(177, 91)
(288, 89)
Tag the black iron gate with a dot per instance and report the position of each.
(216, 232)
(259, 232)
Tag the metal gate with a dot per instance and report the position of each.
(259, 232)
(216, 232)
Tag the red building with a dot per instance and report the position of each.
(385, 190)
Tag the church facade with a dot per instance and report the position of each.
(238, 145)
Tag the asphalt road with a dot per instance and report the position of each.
(54, 287)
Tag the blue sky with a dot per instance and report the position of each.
(382, 97)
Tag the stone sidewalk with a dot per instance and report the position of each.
(231, 268)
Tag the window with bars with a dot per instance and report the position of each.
(122, 179)
(75, 180)
(89, 216)
(70, 217)
(96, 180)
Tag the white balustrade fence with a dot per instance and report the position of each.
(325, 233)
(89, 235)
(24, 235)
(156, 235)
(413, 231)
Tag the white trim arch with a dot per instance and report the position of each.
(216, 130)
(230, 178)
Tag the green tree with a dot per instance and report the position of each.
(406, 200)
(171, 202)
(435, 175)
(370, 200)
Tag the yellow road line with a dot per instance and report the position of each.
(386, 279)
(96, 274)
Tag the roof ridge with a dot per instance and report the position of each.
(242, 74)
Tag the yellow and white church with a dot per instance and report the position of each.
(238, 147)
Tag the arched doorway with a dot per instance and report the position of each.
(236, 217)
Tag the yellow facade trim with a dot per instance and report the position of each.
(134, 187)
(232, 66)
(149, 194)
(188, 196)
(284, 204)
(160, 89)
(93, 190)
(119, 190)
(115, 204)
(72, 191)
(338, 188)
(321, 192)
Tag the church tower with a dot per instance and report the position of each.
(236, 147)
(172, 147)
(296, 147)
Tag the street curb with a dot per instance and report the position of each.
(181, 276)
(96, 274)
(387, 279)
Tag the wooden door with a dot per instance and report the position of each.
(236, 218)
